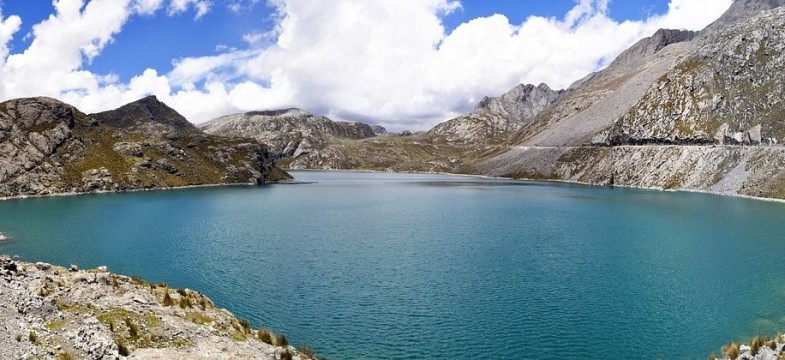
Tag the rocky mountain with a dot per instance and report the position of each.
(495, 118)
(49, 147)
(677, 110)
(148, 116)
(291, 133)
(707, 116)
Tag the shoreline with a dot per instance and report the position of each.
(571, 182)
(56, 312)
(172, 188)
(366, 171)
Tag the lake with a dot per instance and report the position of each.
(397, 266)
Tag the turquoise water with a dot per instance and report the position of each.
(385, 266)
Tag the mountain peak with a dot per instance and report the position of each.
(147, 114)
(520, 103)
(741, 10)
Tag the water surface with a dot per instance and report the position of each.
(391, 266)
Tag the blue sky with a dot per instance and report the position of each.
(154, 41)
(378, 61)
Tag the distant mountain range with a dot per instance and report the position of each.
(678, 110)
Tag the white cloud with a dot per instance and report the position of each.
(8, 27)
(147, 7)
(202, 7)
(382, 61)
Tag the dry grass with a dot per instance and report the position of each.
(731, 350)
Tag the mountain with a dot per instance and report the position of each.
(495, 118)
(49, 147)
(148, 116)
(705, 114)
(677, 110)
(292, 134)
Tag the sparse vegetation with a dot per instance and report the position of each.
(122, 348)
(56, 324)
(133, 329)
(168, 301)
(286, 355)
(65, 355)
(265, 336)
(731, 350)
(32, 337)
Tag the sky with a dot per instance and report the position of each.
(403, 64)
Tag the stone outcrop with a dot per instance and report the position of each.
(496, 118)
(50, 312)
(291, 133)
(150, 117)
(48, 147)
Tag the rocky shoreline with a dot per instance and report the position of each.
(50, 312)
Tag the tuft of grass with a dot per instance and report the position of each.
(265, 336)
(115, 284)
(18, 337)
(731, 350)
(759, 341)
(184, 303)
(204, 304)
(197, 317)
(281, 341)
(307, 351)
(33, 337)
(122, 348)
(246, 325)
(182, 292)
(133, 329)
(168, 299)
(713, 356)
(286, 355)
(239, 336)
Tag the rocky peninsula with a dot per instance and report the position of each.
(50, 312)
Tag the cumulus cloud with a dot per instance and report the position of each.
(202, 7)
(382, 61)
(8, 27)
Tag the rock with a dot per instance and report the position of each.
(73, 268)
(102, 268)
(69, 314)
(498, 117)
(754, 136)
(290, 132)
(102, 278)
(43, 266)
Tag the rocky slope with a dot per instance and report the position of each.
(703, 114)
(494, 119)
(48, 312)
(49, 147)
(292, 133)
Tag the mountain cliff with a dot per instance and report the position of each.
(49, 147)
(495, 118)
(710, 121)
(291, 133)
